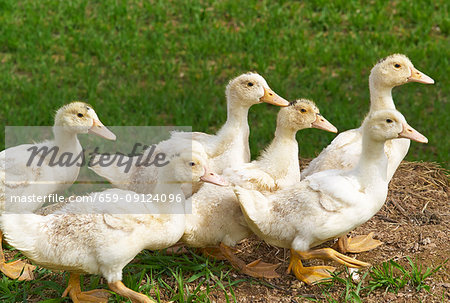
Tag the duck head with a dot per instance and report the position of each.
(192, 167)
(251, 88)
(389, 124)
(301, 114)
(396, 70)
(79, 117)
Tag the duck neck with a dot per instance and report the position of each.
(372, 166)
(232, 138)
(380, 96)
(284, 140)
(66, 140)
(237, 117)
(281, 156)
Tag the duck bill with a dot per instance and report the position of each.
(99, 129)
(410, 133)
(418, 76)
(213, 178)
(272, 98)
(322, 123)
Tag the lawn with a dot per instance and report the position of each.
(168, 62)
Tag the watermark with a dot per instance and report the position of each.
(136, 173)
(107, 202)
(52, 156)
(101, 197)
(51, 198)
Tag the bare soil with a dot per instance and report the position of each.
(413, 222)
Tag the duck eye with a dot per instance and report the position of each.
(389, 121)
(80, 115)
(396, 65)
(303, 110)
(191, 164)
(250, 84)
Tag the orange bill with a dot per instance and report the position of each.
(322, 123)
(410, 133)
(272, 98)
(213, 178)
(100, 130)
(418, 76)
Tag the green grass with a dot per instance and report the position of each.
(352, 292)
(182, 278)
(389, 276)
(392, 276)
(167, 63)
(193, 278)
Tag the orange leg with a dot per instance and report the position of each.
(309, 275)
(18, 269)
(78, 296)
(356, 244)
(331, 254)
(257, 268)
(313, 274)
(119, 288)
(214, 252)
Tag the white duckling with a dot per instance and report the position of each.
(345, 150)
(101, 238)
(142, 178)
(278, 167)
(329, 203)
(216, 217)
(21, 177)
(228, 147)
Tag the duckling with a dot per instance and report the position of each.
(228, 146)
(345, 150)
(330, 203)
(40, 177)
(101, 238)
(143, 178)
(278, 167)
(216, 217)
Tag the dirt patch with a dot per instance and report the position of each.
(413, 222)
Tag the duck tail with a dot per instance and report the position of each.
(254, 205)
(22, 231)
